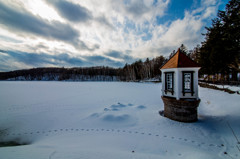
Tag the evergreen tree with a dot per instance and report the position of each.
(195, 54)
(220, 50)
(183, 49)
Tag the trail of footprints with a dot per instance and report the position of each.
(98, 130)
(13, 108)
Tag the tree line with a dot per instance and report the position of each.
(136, 71)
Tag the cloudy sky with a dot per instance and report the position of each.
(78, 33)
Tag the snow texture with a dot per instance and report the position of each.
(112, 120)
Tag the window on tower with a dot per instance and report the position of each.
(169, 82)
(187, 82)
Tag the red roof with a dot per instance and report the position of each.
(179, 60)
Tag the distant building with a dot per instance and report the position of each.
(180, 88)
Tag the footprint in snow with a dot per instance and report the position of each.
(119, 118)
(141, 107)
(106, 109)
(119, 105)
(95, 115)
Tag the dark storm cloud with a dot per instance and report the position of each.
(96, 58)
(77, 13)
(71, 61)
(19, 21)
(101, 60)
(72, 12)
(103, 21)
(23, 21)
(137, 8)
(115, 54)
(39, 60)
(58, 60)
(120, 55)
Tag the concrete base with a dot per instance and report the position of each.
(183, 110)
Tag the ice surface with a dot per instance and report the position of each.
(108, 120)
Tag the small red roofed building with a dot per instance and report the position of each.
(180, 88)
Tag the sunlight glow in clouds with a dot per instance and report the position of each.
(91, 32)
(40, 8)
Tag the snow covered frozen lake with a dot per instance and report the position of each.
(112, 120)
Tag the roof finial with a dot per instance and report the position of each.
(179, 50)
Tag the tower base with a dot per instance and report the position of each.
(183, 110)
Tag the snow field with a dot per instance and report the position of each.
(112, 120)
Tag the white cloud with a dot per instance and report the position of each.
(209, 2)
(181, 31)
(210, 11)
(41, 8)
(114, 25)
